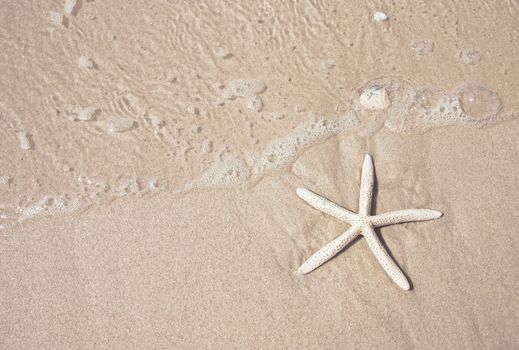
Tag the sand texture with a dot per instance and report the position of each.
(150, 153)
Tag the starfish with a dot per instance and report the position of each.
(362, 223)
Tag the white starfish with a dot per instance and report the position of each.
(362, 223)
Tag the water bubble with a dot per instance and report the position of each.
(87, 114)
(478, 101)
(470, 56)
(422, 47)
(56, 18)
(427, 98)
(115, 124)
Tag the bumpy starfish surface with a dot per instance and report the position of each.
(362, 223)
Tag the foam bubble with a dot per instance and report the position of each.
(231, 171)
(248, 89)
(282, 152)
(422, 108)
(129, 187)
(87, 114)
(116, 124)
(50, 205)
(278, 154)
(470, 56)
(478, 101)
(56, 18)
(255, 103)
(422, 47)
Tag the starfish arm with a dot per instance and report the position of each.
(384, 259)
(325, 205)
(329, 251)
(406, 215)
(366, 186)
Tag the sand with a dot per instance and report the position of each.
(167, 220)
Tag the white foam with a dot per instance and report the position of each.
(50, 205)
(25, 140)
(423, 108)
(231, 171)
(70, 5)
(278, 154)
(116, 124)
(248, 89)
(396, 104)
(128, 187)
(284, 151)
(56, 18)
(243, 88)
(87, 114)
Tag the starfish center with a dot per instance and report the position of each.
(363, 220)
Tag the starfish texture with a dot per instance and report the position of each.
(362, 223)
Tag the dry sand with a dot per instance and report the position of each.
(104, 247)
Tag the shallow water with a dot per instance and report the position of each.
(173, 97)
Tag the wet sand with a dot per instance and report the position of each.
(105, 246)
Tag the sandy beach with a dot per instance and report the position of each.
(150, 154)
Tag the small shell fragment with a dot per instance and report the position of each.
(25, 141)
(380, 16)
(374, 97)
(85, 62)
(70, 5)
(223, 53)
